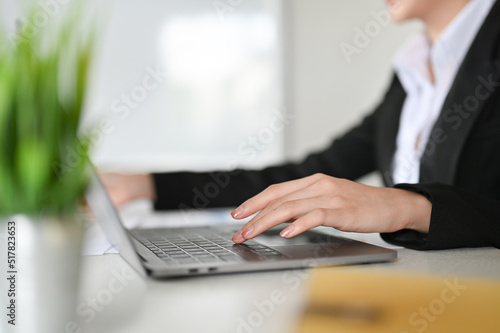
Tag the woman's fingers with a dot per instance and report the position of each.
(273, 192)
(309, 191)
(316, 217)
(284, 213)
(344, 205)
(285, 196)
(288, 211)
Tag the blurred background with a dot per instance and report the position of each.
(219, 84)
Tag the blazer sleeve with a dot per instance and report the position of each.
(458, 219)
(351, 156)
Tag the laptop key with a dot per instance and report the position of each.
(180, 255)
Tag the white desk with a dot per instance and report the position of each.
(222, 303)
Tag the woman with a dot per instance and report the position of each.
(435, 138)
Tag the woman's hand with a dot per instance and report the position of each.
(321, 200)
(123, 188)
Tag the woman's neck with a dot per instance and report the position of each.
(437, 20)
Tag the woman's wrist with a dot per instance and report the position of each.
(416, 210)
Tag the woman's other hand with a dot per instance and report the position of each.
(123, 188)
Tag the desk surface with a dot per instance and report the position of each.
(113, 298)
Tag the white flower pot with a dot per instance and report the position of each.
(43, 279)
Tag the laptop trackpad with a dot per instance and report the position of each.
(309, 244)
(272, 238)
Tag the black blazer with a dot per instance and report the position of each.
(459, 172)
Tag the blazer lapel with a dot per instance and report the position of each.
(387, 129)
(477, 79)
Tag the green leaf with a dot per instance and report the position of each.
(39, 118)
(33, 164)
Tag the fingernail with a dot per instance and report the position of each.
(287, 232)
(237, 212)
(237, 238)
(247, 233)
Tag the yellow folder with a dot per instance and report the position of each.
(359, 300)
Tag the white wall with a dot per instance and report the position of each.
(327, 93)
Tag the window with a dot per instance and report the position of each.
(191, 84)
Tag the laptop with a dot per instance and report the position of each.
(205, 250)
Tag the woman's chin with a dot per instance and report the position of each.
(396, 8)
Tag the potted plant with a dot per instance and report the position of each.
(43, 74)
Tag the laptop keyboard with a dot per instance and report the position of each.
(215, 248)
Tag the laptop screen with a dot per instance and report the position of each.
(106, 215)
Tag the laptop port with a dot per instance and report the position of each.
(212, 269)
(193, 270)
